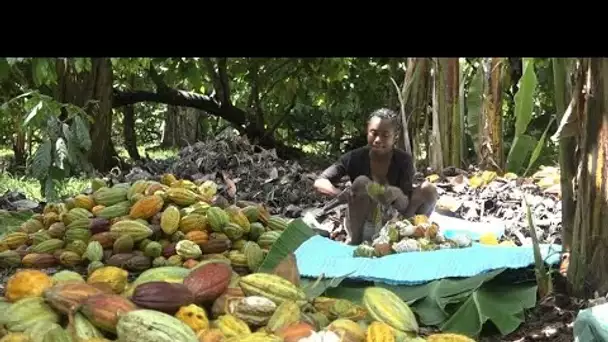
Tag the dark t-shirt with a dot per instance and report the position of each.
(356, 163)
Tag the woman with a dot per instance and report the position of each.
(382, 163)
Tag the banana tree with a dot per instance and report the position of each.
(586, 120)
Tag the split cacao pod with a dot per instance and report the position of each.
(380, 332)
(194, 316)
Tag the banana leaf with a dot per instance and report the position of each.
(296, 233)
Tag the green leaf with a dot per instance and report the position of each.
(500, 304)
(80, 131)
(33, 113)
(61, 153)
(10, 221)
(292, 237)
(430, 300)
(5, 69)
(539, 147)
(521, 148)
(316, 288)
(524, 99)
(42, 159)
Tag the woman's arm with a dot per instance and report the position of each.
(325, 183)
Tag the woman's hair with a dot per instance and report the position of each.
(387, 114)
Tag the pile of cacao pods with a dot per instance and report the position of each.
(403, 235)
(143, 225)
(207, 303)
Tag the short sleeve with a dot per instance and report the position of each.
(337, 170)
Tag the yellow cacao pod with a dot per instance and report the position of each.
(385, 306)
(146, 207)
(111, 275)
(447, 337)
(194, 316)
(347, 330)
(192, 222)
(379, 332)
(231, 326)
(84, 202)
(27, 283)
(181, 196)
(170, 220)
(286, 314)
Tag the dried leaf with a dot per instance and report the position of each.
(230, 186)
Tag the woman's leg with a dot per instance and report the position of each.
(360, 206)
(423, 201)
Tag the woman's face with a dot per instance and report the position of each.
(380, 135)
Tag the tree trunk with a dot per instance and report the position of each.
(588, 269)
(438, 136)
(563, 90)
(417, 104)
(181, 126)
(91, 90)
(447, 105)
(19, 147)
(491, 146)
(129, 132)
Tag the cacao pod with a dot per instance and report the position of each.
(146, 207)
(188, 249)
(138, 263)
(94, 251)
(136, 230)
(81, 329)
(193, 316)
(162, 296)
(286, 314)
(27, 283)
(67, 276)
(66, 296)
(347, 330)
(380, 332)
(123, 244)
(385, 306)
(110, 196)
(104, 310)
(192, 222)
(253, 310)
(48, 246)
(112, 212)
(56, 230)
(69, 258)
(39, 260)
(27, 312)
(181, 196)
(217, 218)
(149, 325)
(272, 287)
(209, 281)
(198, 237)
(232, 326)
(295, 332)
(111, 275)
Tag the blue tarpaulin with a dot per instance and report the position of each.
(319, 255)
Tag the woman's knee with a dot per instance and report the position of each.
(428, 191)
(360, 183)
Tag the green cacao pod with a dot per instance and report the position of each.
(83, 234)
(153, 249)
(267, 239)
(123, 244)
(82, 329)
(277, 223)
(256, 229)
(77, 246)
(136, 230)
(94, 251)
(110, 196)
(114, 211)
(82, 223)
(217, 218)
(254, 255)
(150, 325)
(170, 219)
(233, 231)
(48, 246)
(188, 250)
